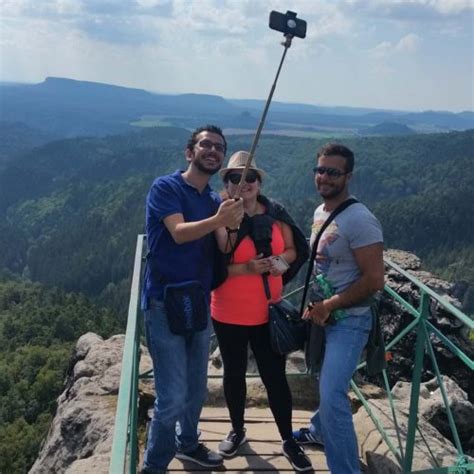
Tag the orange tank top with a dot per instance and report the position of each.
(241, 299)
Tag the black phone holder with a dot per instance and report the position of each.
(288, 24)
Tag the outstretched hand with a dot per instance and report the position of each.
(231, 213)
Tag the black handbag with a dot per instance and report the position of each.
(287, 329)
(375, 348)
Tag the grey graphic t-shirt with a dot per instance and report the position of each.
(353, 228)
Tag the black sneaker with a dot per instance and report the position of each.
(202, 456)
(295, 454)
(151, 470)
(229, 446)
(304, 436)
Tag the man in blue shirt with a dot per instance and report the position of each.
(182, 213)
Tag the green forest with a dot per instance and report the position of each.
(38, 330)
(71, 209)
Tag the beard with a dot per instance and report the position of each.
(201, 166)
(204, 169)
(330, 191)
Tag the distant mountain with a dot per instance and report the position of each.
(71, 108)
(258, 104)
(68, 108)
(387, 129)
(447, 120)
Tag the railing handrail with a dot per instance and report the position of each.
(440, 299)
(118, 457)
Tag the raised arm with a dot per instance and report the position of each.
(229, 214)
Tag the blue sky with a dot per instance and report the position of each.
(409, 55)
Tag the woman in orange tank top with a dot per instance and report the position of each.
(239, 310)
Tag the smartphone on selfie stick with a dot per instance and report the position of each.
(290, 26)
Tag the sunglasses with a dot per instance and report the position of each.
(208, 145)
(331, 172)
(234, 178)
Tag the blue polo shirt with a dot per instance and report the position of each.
(167, 261)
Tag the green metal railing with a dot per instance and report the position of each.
(125, 443)
(423, 328)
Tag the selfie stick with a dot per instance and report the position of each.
(291, 24)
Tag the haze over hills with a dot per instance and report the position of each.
(68, 108)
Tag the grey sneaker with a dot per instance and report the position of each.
(202, 456)
(295, 454)
(229, 446)
(304, 436)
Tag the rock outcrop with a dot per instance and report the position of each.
(394, 318)
(432, 449)
(80, 437)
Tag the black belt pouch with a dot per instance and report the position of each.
(186, 307)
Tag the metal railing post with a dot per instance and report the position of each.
(416, 381)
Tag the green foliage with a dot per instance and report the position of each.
(20, 442)
(38, 328)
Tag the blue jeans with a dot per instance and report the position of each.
(180, 375)
(332, 423)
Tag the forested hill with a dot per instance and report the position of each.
(38, 329)
(71, 209)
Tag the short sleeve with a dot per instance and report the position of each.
(163, 200)
(365, 230)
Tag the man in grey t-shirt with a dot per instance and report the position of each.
(350, 258)
(335, 259)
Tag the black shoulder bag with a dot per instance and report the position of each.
(314, 352)
(287, 329)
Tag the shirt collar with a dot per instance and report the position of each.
(178, 174)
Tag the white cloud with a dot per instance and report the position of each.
(382, 50)
(412, 10)
(408, 44)
(151, 3)
(450, 7)
(225, 46)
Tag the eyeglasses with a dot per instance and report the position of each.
(331, 172)
(234, 178)
(208, 145)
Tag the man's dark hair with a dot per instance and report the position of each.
(332, 149)
(206, 128)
